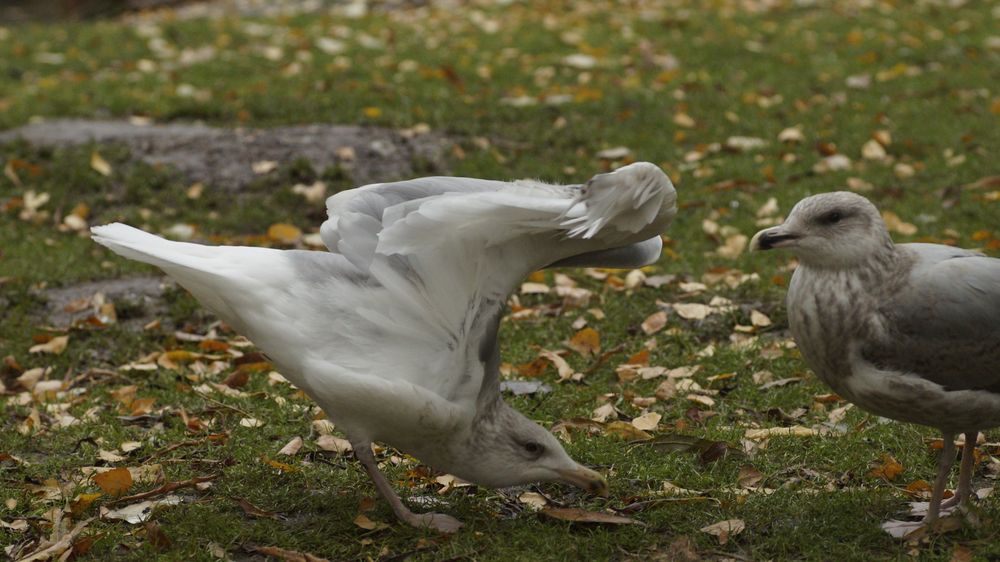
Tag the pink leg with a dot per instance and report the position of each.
(944, 468)
(437, 521)
(964, 489)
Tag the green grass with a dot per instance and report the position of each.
(933, 81)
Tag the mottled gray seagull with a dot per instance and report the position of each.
(393, 332)
(906, 331)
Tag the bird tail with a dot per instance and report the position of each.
(207, 271)
(140, 245)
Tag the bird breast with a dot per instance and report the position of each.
(827, 312)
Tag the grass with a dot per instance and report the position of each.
(932, 72)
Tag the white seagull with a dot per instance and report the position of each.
(393, 332)
(906, 331)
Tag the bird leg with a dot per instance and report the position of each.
(964, 489)
(437, 521)
(944, 468)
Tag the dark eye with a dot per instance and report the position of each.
(833, 217)
(533, 448)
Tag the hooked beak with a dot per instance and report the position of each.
(772, 238)
(584, 478)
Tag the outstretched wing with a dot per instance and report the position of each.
(448, 251)
(945, 324)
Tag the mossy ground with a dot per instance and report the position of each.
(840, 71)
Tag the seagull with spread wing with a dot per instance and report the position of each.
(906, 331)
(393, 332)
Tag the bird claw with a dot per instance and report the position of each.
(437, 521)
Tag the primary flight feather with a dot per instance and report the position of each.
(393, 332)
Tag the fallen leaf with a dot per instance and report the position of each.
(586, 342)
(250, 510)
(335, 444)
(54, 346)
(576, 515)
(533, 500)
(626, 431)
(692, 311)
(749, 477)
(654, 323)
(156, 537)
(284, 233)
(723, 530)
(888, 469)
(264, 166)
(138, 512)
(99, 164)
(365, 523)
(292, 447)
(114, 482)
(647, 422)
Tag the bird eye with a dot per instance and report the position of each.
(533, 448)
(833, 217)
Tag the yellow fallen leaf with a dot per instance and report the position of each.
(889, 468)
(114, 482)
(626, 431)
(586, 342)
(54, 346)
(99, 164)
(284, 233)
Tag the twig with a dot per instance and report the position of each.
(167, 488)
(604, 357)
(60, 546)
(224, 405)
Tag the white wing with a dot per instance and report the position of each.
(448, 251)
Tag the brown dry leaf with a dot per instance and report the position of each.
(284, 554)
(82, 503)
(533, 500)
(534, 368)
(99, 164)
(142, 406)
(919, 488)
(641, 358)
(654, 323)
(367, 524)
(888, 469)
(565, 371)
(725, 529)
(586, 342)
(237, 379)
(749, 477)
(114, 482)
(250, 510)
(626, 431)
(647, 422)
(666, 390)
(692, 310)
(576, 515)
(898, 225)
(284, 233)
(156, 537)
(55, 346)
(604, 412)
(335, 444)
(292, 447)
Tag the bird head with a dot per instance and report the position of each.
(831, 230)
(504, 448)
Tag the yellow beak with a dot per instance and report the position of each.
(586, 479)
